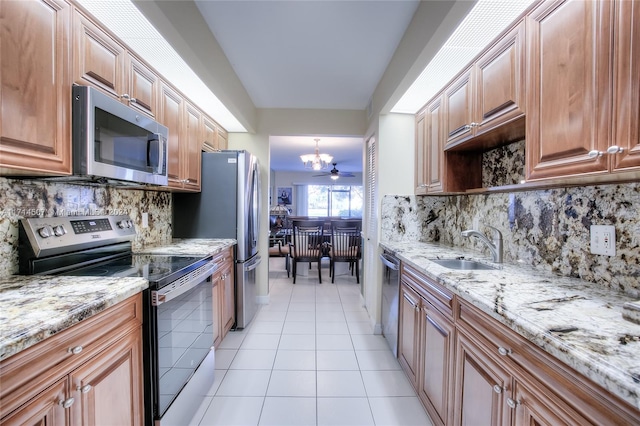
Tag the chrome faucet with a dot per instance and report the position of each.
(495, 247)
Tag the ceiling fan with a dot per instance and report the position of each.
(335, 173)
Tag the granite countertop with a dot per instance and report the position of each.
(578, 322)
(35, 307)
(190, 246)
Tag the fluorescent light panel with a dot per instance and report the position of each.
(485, 21)
(126, 22)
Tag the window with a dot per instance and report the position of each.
(334, 200)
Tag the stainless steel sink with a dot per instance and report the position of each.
(462, 264)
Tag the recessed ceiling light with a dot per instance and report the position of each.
(485, 21)
(128, 24)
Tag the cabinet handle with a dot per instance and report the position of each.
(75, 350)
(84, 389)
(467, 127)
(128, 98)
(422, 185)
(614, 149)
(497, 389)
(413, 305)
(504, 351)
(67, 402)
(512, 403)
(595, 153)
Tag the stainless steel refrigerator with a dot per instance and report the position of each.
(227, 207)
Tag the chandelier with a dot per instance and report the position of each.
(316, 161)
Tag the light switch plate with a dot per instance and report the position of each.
(603, 240)
(145, 220)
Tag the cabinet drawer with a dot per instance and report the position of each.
(223, 256)
(434, 293)
(52, 358)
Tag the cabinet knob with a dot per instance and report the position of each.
(614, 149)
(474, 125)
(75, 350)
(595, 153)
(504, 351)
(128, 98)
(84, 389)
(497, 389)
(67, 402)
(512, 403)
(422, 185)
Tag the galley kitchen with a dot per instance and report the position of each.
(143, 149)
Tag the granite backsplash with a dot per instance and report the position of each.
(547, 229)
(35, 198)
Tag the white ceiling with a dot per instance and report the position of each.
(309, 54)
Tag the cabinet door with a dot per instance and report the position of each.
(223, 139)
(229, 306)
(480, 386)
(142, 86)
(108, 388)
(169, 114)
(209, 135)
(192, 148)
(421, 157)
(458, 99)
(408, 332)
(437, 346)
(35, 89)
(627, 86)
(500, 81)
(216, 297)
(538, 407)
(98, 59)
(434, 140)
(43, 409)
(568, 93)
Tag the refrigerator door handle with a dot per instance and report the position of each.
(253, 264)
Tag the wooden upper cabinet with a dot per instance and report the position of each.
(434, 140)
(626, 105)
(223, 139)
(421, 158)
(192, 148)
(142, 86)
(209, 134)
(458, 100)
(99, 60)
(169, 115)
(35, 89)
(500, 82)
(568, 93)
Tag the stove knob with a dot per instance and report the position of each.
(59, 231)
(122, 224)
(45, 231)
(129, 224)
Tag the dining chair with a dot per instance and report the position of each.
(307, 244)
(345, 245)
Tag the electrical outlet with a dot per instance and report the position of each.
(145, 220)
(603, 240)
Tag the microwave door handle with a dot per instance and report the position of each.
(158, 138)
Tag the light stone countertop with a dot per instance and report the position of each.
(34, 307)
(576, 321)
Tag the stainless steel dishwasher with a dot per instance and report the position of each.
(390, 297)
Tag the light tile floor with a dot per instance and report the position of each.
(309, 358)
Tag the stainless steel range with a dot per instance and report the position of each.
(178, 306)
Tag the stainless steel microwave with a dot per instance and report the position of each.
(112, 141)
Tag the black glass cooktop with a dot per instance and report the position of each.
(158, 269)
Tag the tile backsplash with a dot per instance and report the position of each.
(547, 229)
(35, 198)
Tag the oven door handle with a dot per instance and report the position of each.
(173, 290)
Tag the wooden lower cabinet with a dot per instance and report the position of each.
(224, 294)
(469, 369)
(409, 314)
(89, 374)
(437, 346)
(481, 385)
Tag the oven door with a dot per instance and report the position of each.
(179, 335)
